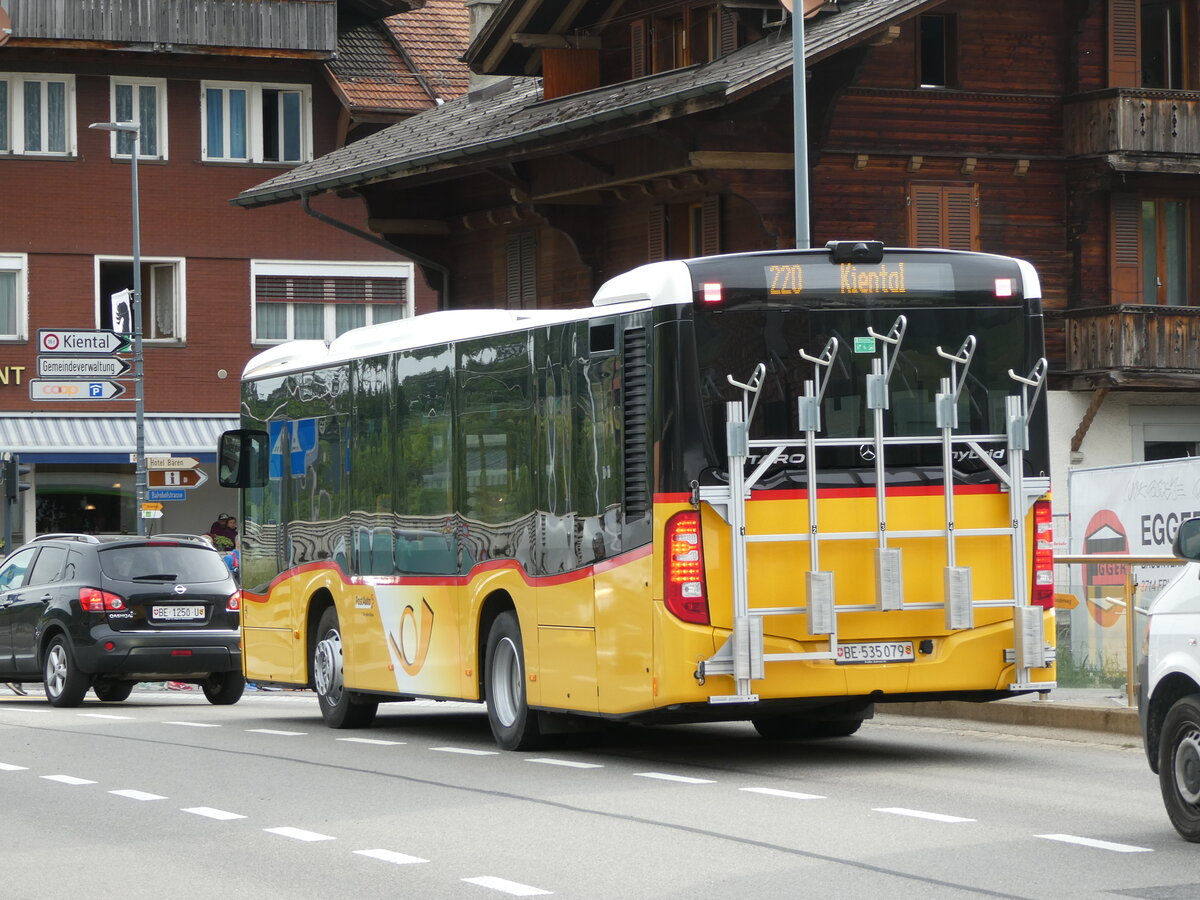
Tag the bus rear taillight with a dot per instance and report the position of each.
(685, 592)
(1043, 556)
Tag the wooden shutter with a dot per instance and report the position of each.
(637, 49)
(961, 222)
(528, 269)
(656, 234)
(710, 225)
(1124, 43)
(943, 215)
(1125, 228)
(729, 30)
(512, 266)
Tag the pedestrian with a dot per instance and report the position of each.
(225, 527)
(16, 689)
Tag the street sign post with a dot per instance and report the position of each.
(50, 389)
(81, 367)
(171, 462)
(58, 340)
(167, 495)
(177, 478)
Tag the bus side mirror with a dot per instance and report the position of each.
(1187, 540)
(242, 459)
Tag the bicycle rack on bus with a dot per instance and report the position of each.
(743, 654)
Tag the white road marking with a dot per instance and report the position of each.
(683, 779)
(775, 792)
(570, 763)
(1092, 842)
(35, 709)
(370, 741)
(103, 716)
(921, 814)
(299, 834)
(466, 751)
(509, 887)
(9, 767)
(210, 813)
(67, 779)
(195, 724)
(138, 795)
(273, 731)
(391, 856)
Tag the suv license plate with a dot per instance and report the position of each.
(177, 612)
(875, 652)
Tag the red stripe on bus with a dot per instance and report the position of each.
(494, 565)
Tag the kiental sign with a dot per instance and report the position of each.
(54, 340)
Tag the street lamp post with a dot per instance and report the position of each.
(139, 402)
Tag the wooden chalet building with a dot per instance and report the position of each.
(1067, 133)
(227, 93)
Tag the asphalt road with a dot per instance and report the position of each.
(166, 796)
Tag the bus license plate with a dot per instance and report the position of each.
(876, 652)
(176, 613)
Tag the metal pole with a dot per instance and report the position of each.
(800, 126)
(139, 403)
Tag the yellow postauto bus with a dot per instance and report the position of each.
(779, 487)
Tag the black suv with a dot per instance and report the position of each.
(78, 611)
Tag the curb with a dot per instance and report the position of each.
(1046, 714)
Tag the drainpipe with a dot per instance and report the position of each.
(444, 298)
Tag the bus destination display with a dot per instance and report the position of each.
(793, 279)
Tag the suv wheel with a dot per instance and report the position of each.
(113, 691)
(65, 684)
(1179, 766)
(224, 688)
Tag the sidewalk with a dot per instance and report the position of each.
(1089, 709)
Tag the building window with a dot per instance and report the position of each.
(12, 296)
(162, 297)
(943, 215)
(1163, 54)
(37, 114)
(261, 123)
(319, 301)
(1154, 242)
(143, 101)
(936, 51)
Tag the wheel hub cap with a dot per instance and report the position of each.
(506, 682)
(1187, 767)
(327, 667)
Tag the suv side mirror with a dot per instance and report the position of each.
(242, 458)
(1187, 540)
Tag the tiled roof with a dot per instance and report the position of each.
(406, 63)
(491, 122)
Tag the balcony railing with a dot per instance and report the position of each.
(1134, 343)
(1133, 120)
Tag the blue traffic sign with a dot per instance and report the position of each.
(166, 495)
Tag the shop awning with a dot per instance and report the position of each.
(48, 438)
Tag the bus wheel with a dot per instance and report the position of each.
(1179, 766)
(514, 725)
(339, 707)
(777, 728)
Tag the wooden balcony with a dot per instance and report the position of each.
(1151, 347)
(1142, 130)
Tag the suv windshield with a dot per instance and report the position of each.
(165, 562)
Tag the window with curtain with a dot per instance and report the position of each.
(319, 301)
(162, 296)
(257, 123)
(37, 114)
(142, 101)
(12, 296)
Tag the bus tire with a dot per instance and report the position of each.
(514, 725)
(339, 707)
(1179, 766)
(779, 728)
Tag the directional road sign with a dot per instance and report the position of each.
(81, 366)
(176, 478)
(55, 340)
(167, 495)
(152, 514)
(47, 389)
(170, 462)
(152, 506)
